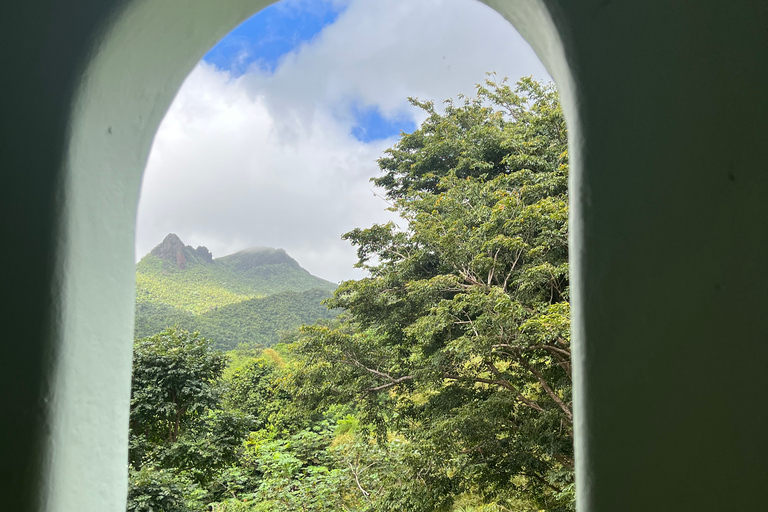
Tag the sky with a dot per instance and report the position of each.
(273, 137)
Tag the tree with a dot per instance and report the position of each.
(255, 390)
(173, 382)
(152, 490)
(500, 131)
(460, 336)
(180, 437)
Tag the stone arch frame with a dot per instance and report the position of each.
(668, 232)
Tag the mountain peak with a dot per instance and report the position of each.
(173, 249)
(257, 257)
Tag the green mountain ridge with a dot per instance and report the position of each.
(246, 297)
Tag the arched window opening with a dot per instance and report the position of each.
(441, 380)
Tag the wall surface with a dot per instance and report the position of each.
(671, 237)
(667, 105)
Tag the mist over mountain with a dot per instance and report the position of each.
(246, 297)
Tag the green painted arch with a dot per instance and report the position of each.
(137, 65)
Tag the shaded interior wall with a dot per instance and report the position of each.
(42, 50)
(666, 104)
(670, 237)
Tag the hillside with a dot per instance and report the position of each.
(246, 297)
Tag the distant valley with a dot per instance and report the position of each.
(246, 297)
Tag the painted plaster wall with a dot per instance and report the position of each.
(667, 105)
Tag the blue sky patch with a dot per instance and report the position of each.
(272, 33)
(278, 30)
(371, 125)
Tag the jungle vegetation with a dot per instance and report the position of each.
(444, 384)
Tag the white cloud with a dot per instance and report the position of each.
(268, 159)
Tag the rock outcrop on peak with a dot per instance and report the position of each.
(204, 253)
(171, 249)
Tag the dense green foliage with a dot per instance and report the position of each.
(259, 321)
(459, 340)
(322, 460)
(247, 297)
(180, 437)
(444, 385)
